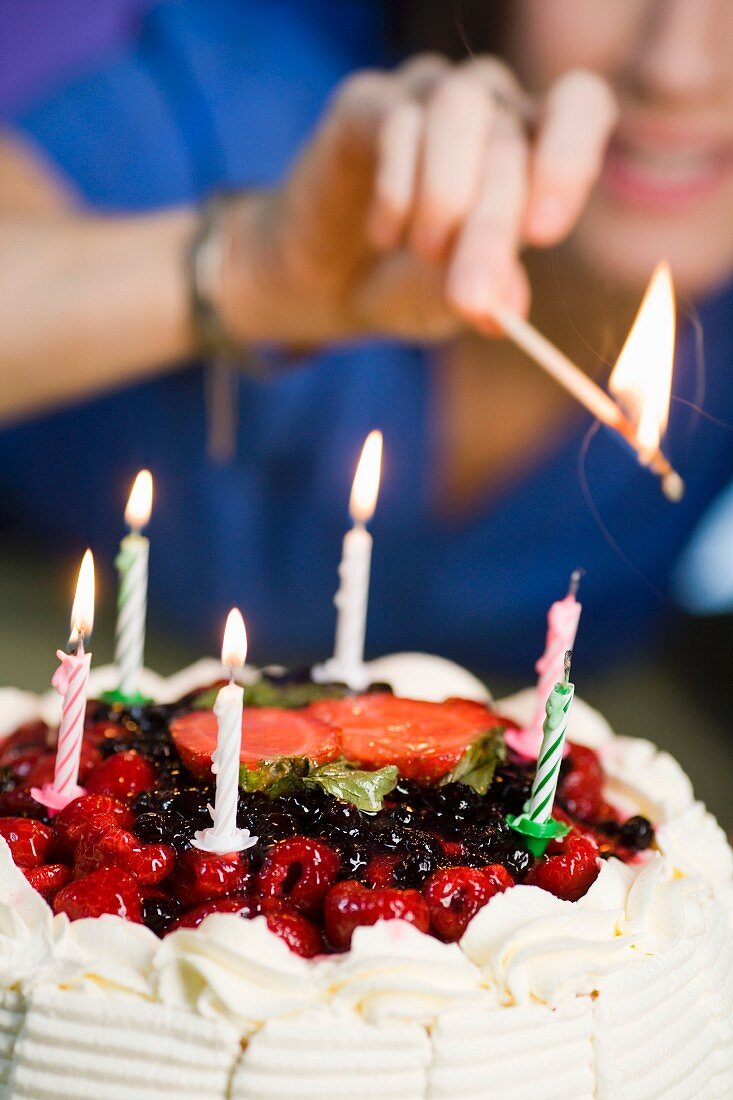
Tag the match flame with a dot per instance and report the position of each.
(140, 504)
(365, 489)
(82, 611)
(642, 377)
(234, 647)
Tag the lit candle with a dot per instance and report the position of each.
(70, 680)
(562, 626)
(641, 380)
(347, 664)
(536, 823)
(224, 836)
(132, 599)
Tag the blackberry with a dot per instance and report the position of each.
(512, 786)
(161, 828)
(424, 855)
(637, 833)
(341, 818)
(516, 860)
(273, 825)
(354, 857)
(407, 792)
(159, 914)
(404, 815)
(305, 806)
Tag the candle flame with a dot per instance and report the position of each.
(365, 489)
(82, 611)
(140, 503)
(642, 377)
(234, 647)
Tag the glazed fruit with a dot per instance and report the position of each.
(455, 895)
(105, 844)
(581, 787)
(48, 879)
(241, 905)
(122, 775)
(267, 733)
(572, 872)
(203, 876)
(110, 890)
(300, 871)
(300, 934)
(349, 905)
(424, 740)
(29, 841)
(73, 822)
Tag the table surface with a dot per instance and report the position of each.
(646, 700)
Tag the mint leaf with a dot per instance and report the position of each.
(274, 777)
(365, 790)
(479, 761)
(268, 693)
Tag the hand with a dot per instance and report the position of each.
(407, 212)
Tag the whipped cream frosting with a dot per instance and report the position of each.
(625, 993)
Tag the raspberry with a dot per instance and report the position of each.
(455, 894)
(300, 870)
(110, 890)
(74, 820)
(380, 869)
(29, 841)
(122, 775)
(28, 740)
(571, 874)
(96, 733)
(300, 934)
(241, 905)
(42, 771)
(48, 879)
(21, 803)
(349, 905)
(203, 876)
(581, 787)
(105, 844)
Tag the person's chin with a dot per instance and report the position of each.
(624, 245)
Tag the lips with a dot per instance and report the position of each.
(665, 176)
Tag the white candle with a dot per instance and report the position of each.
(71, 680)
(132, 599)
(132, 595)
(351, 600)
(223, 835)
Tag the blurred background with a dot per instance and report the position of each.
(121, 117)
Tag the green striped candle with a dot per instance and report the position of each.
(553, 742)
(537, 825)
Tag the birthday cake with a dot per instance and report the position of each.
(388, 933)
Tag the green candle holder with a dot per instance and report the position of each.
(117, 699)
(537, 834)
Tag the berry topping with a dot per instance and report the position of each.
(267, 733)
(380, 869)
(349, 905)
(105, 844)
(300, 934)
(299, 870)
(241, 905)
(75, 819)
(581, 785)
(455, 894)
(637, 833)
(110, 890)
(48, 879)
(202, 876)
(570, 874)
(122, 775)
(424, 740)
(29, 841)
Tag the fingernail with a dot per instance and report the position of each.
(468, 291)
(549, 216)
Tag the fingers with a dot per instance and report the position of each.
(484, 266)
(577, 119)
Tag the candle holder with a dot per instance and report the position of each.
(537, 834)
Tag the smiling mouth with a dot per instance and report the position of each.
(664, 179)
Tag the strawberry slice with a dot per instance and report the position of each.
(267, 733)
(424, 740)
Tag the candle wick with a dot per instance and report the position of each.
(566, 664)
(80, 643)
(575, 579)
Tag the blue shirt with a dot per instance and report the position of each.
(222, 92)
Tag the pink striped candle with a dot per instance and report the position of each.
(562, 626)
(71, 680)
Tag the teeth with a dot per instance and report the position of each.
(669, 168)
